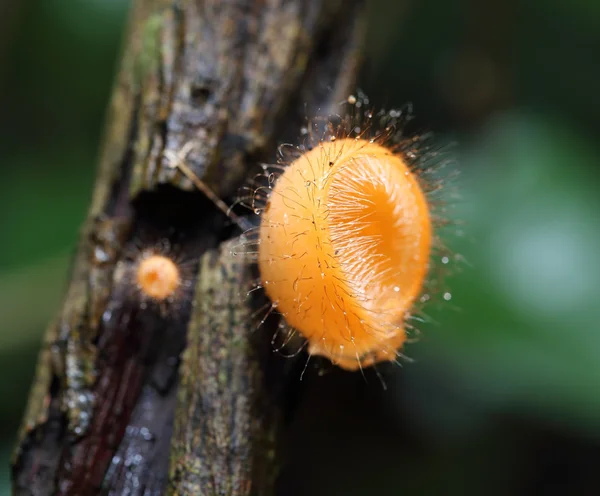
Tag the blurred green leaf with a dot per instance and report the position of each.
(525, 334)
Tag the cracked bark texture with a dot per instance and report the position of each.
(132, 399)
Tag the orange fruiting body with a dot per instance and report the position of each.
(158, 277)
(344, 246)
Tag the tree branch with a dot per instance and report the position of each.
(111, 410)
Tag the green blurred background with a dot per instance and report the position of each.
(505, 395)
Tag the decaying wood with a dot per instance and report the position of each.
(111, 410)
(211, 452)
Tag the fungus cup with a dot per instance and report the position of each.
(157, 277)
(344, 245)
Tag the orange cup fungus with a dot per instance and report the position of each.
(344, 246)
(158, 277)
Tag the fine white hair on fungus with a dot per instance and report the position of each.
(348, 232)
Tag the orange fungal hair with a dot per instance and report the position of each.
(344, 246)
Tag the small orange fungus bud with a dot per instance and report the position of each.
(158, 277)
(344, 249)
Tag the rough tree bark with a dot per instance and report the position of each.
(188, 399)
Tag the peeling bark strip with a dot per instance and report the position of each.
(233, 77)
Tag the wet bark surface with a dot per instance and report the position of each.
(184, 398)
